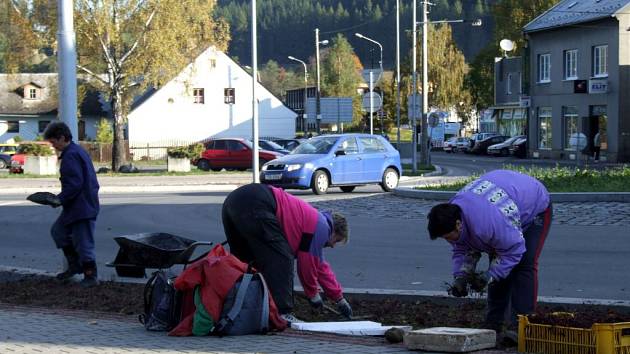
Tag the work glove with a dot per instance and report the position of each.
(344, 308)
(45, 198)
(316, 301)
(459, 288)
(479, 281)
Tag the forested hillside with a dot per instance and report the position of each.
(286, 27)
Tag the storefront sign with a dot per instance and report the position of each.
(525, 101)
(597, 86)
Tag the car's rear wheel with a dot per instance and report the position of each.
(320, 182)
(390, 180)
(3, 164)
(347, 189)
(203, 165)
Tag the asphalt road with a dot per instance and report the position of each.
(386, 251)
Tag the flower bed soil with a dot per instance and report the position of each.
(584, 319)
(126, 299)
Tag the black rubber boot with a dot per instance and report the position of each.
(90, 275)
(74, 267)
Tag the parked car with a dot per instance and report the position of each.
(462, 144)
(476, 138)
(272, 146)
(519, 148)
(455, 144)
(289, 144)
(231, 154)
(481, 147)
(17, 159)
(503, 149)
(5, 161)
(344, 160)
(8, 149)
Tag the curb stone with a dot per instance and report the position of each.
(579, 197)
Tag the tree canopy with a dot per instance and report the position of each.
(127, 46)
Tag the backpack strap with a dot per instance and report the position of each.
(238, 302)
(147, 294)
(264, 318)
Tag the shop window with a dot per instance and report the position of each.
(544, 128)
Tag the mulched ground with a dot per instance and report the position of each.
(126, 299)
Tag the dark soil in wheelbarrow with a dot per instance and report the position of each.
(127, 299)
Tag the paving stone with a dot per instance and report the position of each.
(449, 339)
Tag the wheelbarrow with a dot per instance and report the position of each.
(153, 250)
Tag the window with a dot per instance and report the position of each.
(229, 96)
(508, 86)
(600, 61)
(220, 145)
(32, 93)
(234, 145)
(371, 145)
(570, 64)
(544, 127)
(349, 146)
(198, 95)
(213, 63)
(544, 68)
(41, 125)
(570, 123)
(13, 126)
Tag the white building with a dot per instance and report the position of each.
(211, 97)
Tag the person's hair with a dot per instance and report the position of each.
(340, 225)
(56, 130)
(442, 219)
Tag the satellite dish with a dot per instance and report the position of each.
(507, 45)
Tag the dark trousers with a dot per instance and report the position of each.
(255, 236)
(596, 150)
(519, 291)
(79, 234)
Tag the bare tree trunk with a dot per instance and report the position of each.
(118, 148)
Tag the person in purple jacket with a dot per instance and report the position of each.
(507, 215)
(73, 232)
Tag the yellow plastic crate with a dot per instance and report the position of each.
(602, 338)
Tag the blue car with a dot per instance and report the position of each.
(345, 161)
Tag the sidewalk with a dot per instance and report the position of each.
(26, 330)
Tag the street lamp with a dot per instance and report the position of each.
(425, 157)
(318, 97)
(305, 90)
(359, 35)
(255, 130)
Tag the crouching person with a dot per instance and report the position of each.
(507, 215)
(271, 228)
(73, 232)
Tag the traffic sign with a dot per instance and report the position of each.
(376, 104)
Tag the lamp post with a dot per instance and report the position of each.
(305, 90)
(398, 74)
(425, 157)
(359, 35)
(255, 162)
(318, 96)
(67, 63)
(414, 90)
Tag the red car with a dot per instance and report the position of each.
(17, 160)
(231, 154)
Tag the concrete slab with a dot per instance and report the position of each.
(451, 340)
(353, 328)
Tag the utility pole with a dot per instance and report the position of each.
(425, 157)
(414, 92)
(318, 96)
(255, 162)
(67, 63)
(398, 73)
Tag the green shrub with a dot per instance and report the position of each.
(17, 139)
(33, 149)
(185, 152)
